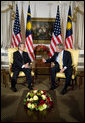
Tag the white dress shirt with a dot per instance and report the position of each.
(21, 54)
(57, 59)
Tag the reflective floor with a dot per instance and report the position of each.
(68, 107)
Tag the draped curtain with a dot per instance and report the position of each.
(5, 28)
(80, 31)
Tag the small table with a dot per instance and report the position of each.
(80, 75)
(2, 76)
(4, 72)
(42, 68)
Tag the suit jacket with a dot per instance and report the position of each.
(18, 60)
(67, 60)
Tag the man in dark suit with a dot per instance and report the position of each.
(66, 66)
(21, 62)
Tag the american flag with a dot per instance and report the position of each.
(56, 36)
(29, 41)
(16, 36)
(69, 33)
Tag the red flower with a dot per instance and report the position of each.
(27, 103)
(41, 48)
(35, 89)
(50, 103)
(48, 99)
(44, 94)
(42, 101)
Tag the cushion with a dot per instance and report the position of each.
(62, 75)
(21, 74)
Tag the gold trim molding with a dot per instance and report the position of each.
(76, 9)
(7, 9)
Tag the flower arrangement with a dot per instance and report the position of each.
(38, 100)
(41, 48)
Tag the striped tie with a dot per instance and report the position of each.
(22, 57)
(60, 61)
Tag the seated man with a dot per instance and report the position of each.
(65, 66)
(21, 62)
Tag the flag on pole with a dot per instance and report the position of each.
(56, 36)
(29, 40)
(16, 36)
(69, 32)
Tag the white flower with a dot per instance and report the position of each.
(29, 105)
(43, 97)
(33, 106)
(28, 99)
(35, 97)
(35, 91)
(42, 92)
(28, 93)
(31, 99)
(40, 108)
(44, 106)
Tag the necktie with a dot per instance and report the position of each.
(22, 58)
(60, 61)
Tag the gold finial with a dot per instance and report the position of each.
(29, 2)
(70, 3)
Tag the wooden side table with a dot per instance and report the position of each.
(4, 72)
(2, 77)
(41, 68)
(80, 75)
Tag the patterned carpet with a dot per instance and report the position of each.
(69, 107)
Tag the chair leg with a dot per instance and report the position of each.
(75, 80)
(58, 81)
(10, 79)
(33, 78)
(72, 84)
(80, 81)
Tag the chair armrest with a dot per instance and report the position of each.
(10, 68)
(32, 66)
(74, 69)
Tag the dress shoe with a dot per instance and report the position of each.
(64, 91)
(52, 88)
(69, 84)
(56, 85)
(30, 87)
(13, 89)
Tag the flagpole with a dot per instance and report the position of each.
(28, 2)
(70, 2)
(22, 25)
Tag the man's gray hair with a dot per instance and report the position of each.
(60, 46)
(19, 45)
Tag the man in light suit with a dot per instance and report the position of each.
(21, 62)
(66, 66)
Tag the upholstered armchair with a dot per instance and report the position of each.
(21, 73)
(74, 54)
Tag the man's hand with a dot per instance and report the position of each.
(52, 64)
(43, 60)
(62, 70)
(27, 65)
